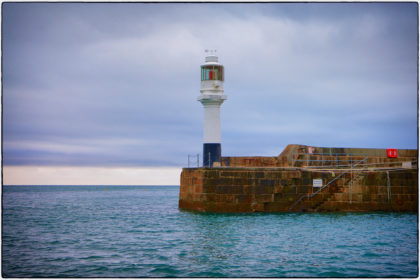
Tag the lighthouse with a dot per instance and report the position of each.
(212, 77)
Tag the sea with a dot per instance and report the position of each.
(139, 231)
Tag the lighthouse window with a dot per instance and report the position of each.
(212, 72)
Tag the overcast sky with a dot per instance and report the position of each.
(100, 84)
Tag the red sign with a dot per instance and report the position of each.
(391, 153)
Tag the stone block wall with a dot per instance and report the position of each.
(395, 190)
(278, 190)
(297, 156)
(251, 161)
(236, 190)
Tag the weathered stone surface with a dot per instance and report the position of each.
(244, 198)
(256, 186)
(264, 197)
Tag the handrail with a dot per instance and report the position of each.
(366, 164)
(197, 157)
(332, 154)
(315, 193)
(328, 158)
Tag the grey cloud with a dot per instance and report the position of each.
(110, 84)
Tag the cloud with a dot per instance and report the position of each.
(116, 84)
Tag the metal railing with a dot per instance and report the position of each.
(208, 163)
(326, 159)
(196, 159)
(191, 158)
(326, 185)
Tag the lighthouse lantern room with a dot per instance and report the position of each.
(212, 96)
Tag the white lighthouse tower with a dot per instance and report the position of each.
(212, 76)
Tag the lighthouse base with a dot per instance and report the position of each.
(212, 152)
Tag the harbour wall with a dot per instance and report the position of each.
(302, 155)
(286, 183)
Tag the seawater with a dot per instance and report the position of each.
(138, 231)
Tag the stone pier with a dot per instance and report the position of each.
(371, 182)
